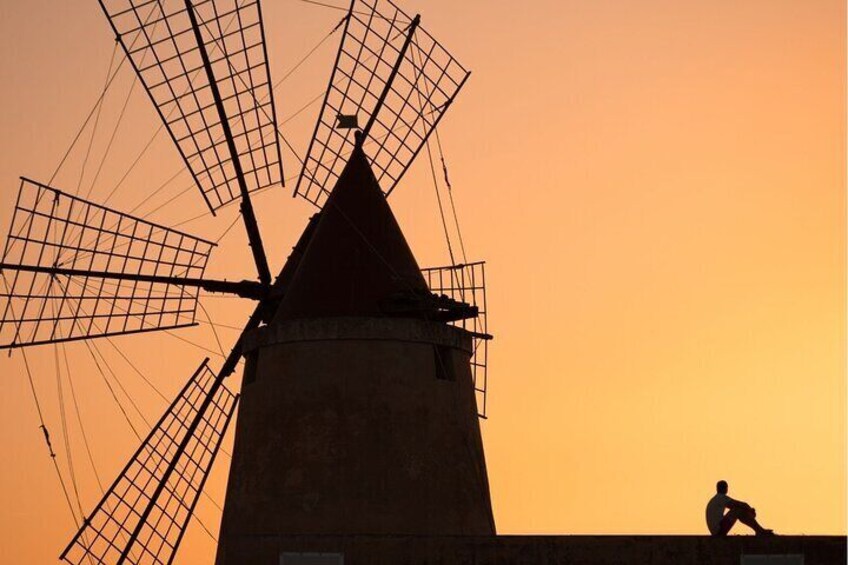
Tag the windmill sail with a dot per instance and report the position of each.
(169, 53)
(60, 277)
(144, 514)
(467, 283)
(385, 51)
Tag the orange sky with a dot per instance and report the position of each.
(658, 188)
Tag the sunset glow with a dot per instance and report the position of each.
(658, 189)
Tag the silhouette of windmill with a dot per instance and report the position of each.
(364, 374)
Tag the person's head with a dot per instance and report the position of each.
(721, 487)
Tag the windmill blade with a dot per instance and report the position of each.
(220, 125)
(144, 514)
(53, 233)
(467, 283)
(392, 76)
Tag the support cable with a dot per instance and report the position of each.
(214, 329)
(92, 347)
(145, 379)
(84, 437)
(100, 103)
(444, 169)
(134, 368)
(324, 5)
(63, 419)
(291, 71)
(220, 325)
(64, 427)
(129, 422)
(303, 108)
(432, 165)
(111, 390)
(450, 196)
(341, 8)
(85, 122)
(229, 228)
(206, 214)
(94, 108)
(81, 426)
(161, 187)
(43, 428)
(439, 200)
(65, 434)
(309, 53)
(135, 162)
(197, 345)
(112, 137)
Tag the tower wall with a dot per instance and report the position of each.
(351, 426)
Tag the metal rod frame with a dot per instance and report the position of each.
(467, 283)
(249, 217)
(244, 289)
(403, 101)
(162, 480)
(388, 87)
(54, 233)
(165, 52)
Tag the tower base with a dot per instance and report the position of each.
(352, 426)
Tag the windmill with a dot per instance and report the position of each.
(77, 270)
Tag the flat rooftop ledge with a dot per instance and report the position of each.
(545, 549)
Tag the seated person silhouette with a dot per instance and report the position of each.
(720, 523)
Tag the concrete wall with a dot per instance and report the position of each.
(344, 428)
(547, 550)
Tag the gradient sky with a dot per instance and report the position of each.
(658, 188)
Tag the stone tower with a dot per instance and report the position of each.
(357, 412)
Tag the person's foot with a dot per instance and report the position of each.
(766, 533)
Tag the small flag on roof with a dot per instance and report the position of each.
(347, 121)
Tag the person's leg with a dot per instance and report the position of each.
(747, 516)
(727, 522)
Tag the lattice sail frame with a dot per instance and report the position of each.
(159, 41)
(53, 229)
(427, 81)
(467, 283)
(144, 514)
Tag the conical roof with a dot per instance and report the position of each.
(357, 257)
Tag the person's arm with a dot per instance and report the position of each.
(737, 504)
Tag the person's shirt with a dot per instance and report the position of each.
(715, 511)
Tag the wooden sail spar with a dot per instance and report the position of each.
(392, 76)
(466, 283)
(143, 515)
(170, 55)
(71, 270)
